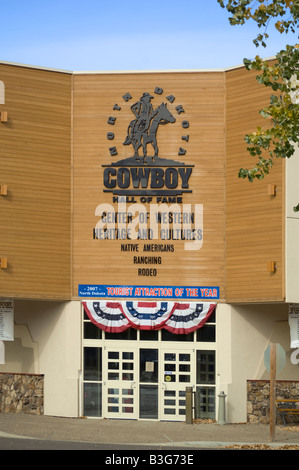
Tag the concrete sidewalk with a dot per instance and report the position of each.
(145, 433)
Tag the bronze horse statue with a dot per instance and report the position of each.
(139, 134)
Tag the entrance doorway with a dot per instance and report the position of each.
(140, 374)
(120, 383)
(147, 380)
(177, 373)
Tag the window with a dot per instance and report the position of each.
(92, 363)
(205, 375)
(149, 365)
(207, 333)
(205, 367)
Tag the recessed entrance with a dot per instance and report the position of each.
(144, 374)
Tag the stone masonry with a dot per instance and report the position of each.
(21, 393)
(258, 400)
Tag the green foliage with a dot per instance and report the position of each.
(278, 139)
(262, 12)
(281, 133)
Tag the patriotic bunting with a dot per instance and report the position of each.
(148, 315)
(189, 317)
(178, 318)
(108, 316)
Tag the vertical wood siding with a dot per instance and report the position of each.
(48, 189)
(35, 163)
(202, 96)
(254, 220)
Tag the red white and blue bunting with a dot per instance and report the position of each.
(176, 317)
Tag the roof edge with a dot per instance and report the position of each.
(37, 67)
(119, 72)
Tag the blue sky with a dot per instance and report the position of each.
(103, 35)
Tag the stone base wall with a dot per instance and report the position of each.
(22, 393)
(258, 400)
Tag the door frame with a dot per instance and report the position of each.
(117, 391)
(172, 403)
(135, 346)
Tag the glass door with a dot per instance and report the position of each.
(120, 383)
(148, 398)
(177, 373)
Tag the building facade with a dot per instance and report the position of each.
(136, 262)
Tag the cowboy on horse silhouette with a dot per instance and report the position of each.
(144, 127)
(143, 111)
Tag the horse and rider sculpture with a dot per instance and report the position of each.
(143, 129)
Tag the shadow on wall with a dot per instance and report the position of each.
(20, 354)
(269, 324)
(35, 324)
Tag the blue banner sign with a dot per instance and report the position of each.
(144, 292)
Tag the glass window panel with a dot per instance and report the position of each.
(169, 411)
(205, 403)
(169, 378)
(92, 405)
(129, 334)
(212, 318)
(128, 366)
(113, 409)
(184, 368)
(93, 363)
(113, 400)
(113, 391)
(91, 331)
(113, 376)
(169, 357)
(169, 367)
(169, 393)
(127, 409)
(168, 336)
(113, 355)
(113, 365)
(128, 401)
(127, 391)
(127, 376)
(149, 365)
(206, 334)
(148, 335)
(148, 408)
(205, 367)
(184, 357)
(128, 355)
(167, 401)
(184, 378)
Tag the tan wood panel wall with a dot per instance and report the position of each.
(202, 97)
(35, 164)
(254, 219)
